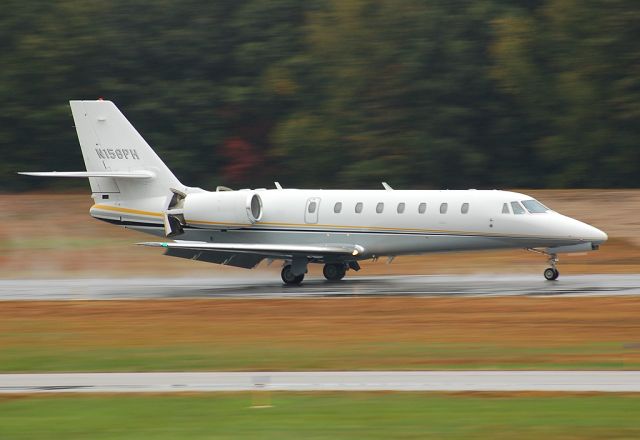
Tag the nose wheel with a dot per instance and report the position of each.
(551, 274)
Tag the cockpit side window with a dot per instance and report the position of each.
(505, 208)
(534, 207)
(517, 208)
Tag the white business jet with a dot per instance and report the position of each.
(132, 187)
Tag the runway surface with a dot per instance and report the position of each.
(269, 286)
(562, 381)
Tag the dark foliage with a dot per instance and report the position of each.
(334, 93)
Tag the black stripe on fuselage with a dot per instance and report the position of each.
(129, 223)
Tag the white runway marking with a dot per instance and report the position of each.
(269, 286)
(564, 381)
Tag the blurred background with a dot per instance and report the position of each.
(533, 95)
(345, 93)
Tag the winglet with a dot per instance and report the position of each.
(152, 244)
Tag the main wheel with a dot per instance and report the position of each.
(288, 277)
(551, 274)
(334, 272)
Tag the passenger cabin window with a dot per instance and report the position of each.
(380, 208)
(422, 208)
(400, 207)
(443, 208)
(337, 207)
(358, 207)
(505, 208)
(464, 208)
(517, 208)
(534, 207)
(312, 207)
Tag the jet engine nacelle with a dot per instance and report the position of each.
(222, 209)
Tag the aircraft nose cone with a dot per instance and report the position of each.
(595, 235)
(602, 236)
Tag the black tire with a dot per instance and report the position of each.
(551, 274)
(289, 278)
(334, 272)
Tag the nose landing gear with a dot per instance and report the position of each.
(550, 273)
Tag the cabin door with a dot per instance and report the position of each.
(311, 210)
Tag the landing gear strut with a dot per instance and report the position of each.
(289, 277)
(334, 271)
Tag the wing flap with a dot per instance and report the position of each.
(246, 261)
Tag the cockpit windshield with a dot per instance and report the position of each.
(534, 207)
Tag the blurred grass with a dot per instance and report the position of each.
(320, 334)
(321, 416)
(291, 357)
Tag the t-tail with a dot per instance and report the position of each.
(128, 179)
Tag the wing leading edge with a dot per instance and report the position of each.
(268, 250)
(250, 255)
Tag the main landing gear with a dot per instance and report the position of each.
(334, 271)
(289, 277)
(293, 274)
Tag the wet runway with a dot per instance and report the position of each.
(557, 381)
(270, 286)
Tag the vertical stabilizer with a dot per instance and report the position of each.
(110, 143)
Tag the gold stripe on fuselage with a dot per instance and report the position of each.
(126, 210)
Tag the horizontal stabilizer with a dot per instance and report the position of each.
(141, 174)
(278, 250)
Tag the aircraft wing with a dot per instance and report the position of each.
(248, 255)
(259, 249)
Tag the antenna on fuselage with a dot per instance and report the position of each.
(387, 186)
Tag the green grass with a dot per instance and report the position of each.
(56, 356)
(320, 415)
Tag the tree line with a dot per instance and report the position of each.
(333, 93)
